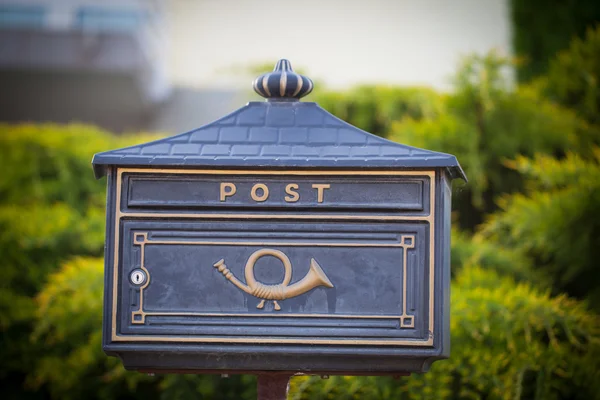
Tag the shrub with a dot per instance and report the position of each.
(556, 221)
(573, 78)
(374, 108)
(51, 209)
(488, 121)
(509, 341)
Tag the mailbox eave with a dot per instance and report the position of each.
(277, 135)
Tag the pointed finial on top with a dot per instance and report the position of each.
(283, 84)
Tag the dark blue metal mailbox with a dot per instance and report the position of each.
(278, 238)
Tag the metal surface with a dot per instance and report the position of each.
(278, 239)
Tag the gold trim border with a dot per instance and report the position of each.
(119, 214)
(406, 320)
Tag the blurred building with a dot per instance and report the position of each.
(173, 65)
(100, 62)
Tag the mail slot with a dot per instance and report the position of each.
(278, 238)
(259, 190)
(316, 191)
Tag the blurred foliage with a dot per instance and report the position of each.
(476, 251)
(573, 79)
(484, 122)
(487, 121)
(556, 221)
(69, 311)
(51, 209)
(526, 229)
(509, 341)
(541, 28)
(374, 108)
(254, 70)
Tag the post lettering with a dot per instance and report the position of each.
(260, 192)
(320, 188)
(265, 192)
(293, 195)
(227, 190)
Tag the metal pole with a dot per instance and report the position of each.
(272, 386)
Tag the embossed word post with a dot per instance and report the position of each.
(277, 239)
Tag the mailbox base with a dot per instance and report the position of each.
(248, 362)
(290, 373)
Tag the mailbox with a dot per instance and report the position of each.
(277, 238)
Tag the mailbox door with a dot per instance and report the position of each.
(339, 262)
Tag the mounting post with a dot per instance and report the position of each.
(272, 386)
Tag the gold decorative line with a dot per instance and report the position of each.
(255, 85)
(278, 216)
(284, 315)
(282, 84)
(116, 233)
(430, 174)
(299, 84)
(261, 340)
(431, 250)
(406, 321)
(310, 86)
(265, 84)
(140, 312)
(119, 215)
(251, 243)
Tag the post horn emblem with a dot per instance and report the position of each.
(315, 277)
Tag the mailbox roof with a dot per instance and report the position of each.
(277, 134)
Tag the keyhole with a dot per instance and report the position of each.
(137, 277)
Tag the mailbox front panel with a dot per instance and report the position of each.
(274, 257)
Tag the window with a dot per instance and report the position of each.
(22, 16)
(110, 20)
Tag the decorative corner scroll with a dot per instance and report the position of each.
(314, 278)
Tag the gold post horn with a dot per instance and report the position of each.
(315, 277)
(220, 265)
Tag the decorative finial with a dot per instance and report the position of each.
(283, 83)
